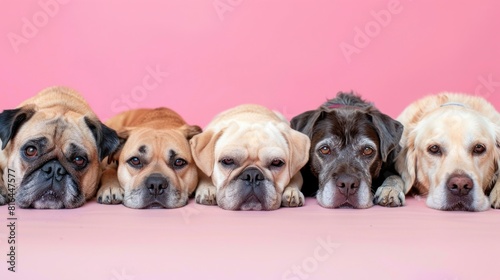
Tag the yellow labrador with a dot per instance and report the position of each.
(451, 151)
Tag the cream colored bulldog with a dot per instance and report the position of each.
(250, 159)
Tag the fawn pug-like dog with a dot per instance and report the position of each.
(53, 144)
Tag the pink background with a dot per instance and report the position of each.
(282, 54)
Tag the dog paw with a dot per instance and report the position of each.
(389, 196)
(206, 195)
(292, 197)
(4, 198)
(110, 194)
(495, 198)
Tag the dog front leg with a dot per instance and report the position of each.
(292, 196)
(4, 198)
(110, 190)
(495, 195)
(390, 193)
(205, 192)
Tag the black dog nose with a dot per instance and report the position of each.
(459, 184)
(347, 184)
(252, 176)
(156, 184)
(54, 169)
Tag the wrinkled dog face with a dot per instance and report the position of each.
(351, 142)
(345, 157)
(251, 166)
(56, 158)
(156, 169)
(454, 153)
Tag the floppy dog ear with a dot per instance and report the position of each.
(11, 121)
(191, 130)
(389, 131)
(305, 121)
(106, 139)
(497, 133)
(497, 157)
(406, 162)
(299, 145)
(122, 138)
(203, 150)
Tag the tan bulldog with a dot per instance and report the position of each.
(154, 167)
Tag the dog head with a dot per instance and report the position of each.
(350, 141)
(55, 153)
(155, 167)
(452, 154)
(250, 164)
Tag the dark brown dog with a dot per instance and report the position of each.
(352, 145)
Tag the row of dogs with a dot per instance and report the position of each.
(56, 153)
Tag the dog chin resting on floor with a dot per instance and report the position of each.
(352, 147)
(153, 167)
(53, 143)
(250, 159)
(450, 151)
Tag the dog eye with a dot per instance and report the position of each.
(277, 163)
(325, 150)
(227, 161)
(31, 151)
(434, 149)
(135, 162)
(367, 151)
(479, 149)
(79, 161)
(179, 163)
